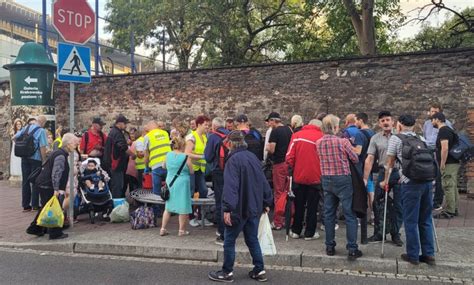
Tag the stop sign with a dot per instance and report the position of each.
(74, 20)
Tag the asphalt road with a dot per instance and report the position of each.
(34, 267)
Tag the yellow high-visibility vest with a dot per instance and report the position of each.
(199, 147)
(159, 146)
(59, 141)
(140, 162)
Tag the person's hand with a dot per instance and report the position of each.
(383, 184)
(56, 193)
(62, 192)
(266, 210)
(133, 156)
(442, 167)
(365, 182)
(227, 219)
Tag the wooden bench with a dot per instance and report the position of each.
(148, 197)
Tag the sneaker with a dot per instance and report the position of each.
(353, 255)
(219, 241)
(430, 260)
(294, 235)
(405, 257)
(276, 228)
(260, 277)
(437, 208)
(375, 239)
(194, 223)
(221, 276)
(397, 241)
(330, 251)
(336, 227)
(208, 223)
(315, 236)
(218, 234)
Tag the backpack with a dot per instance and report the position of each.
(142, 218)
(254, 143)
(418, 162)
(25, 145)
(463, 149)
(86, 140)
(222, 149)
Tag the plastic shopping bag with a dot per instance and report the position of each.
(120, 214)
(51, 215)
(265, 236)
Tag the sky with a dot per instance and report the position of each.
(407, 31)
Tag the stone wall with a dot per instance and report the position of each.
(400, 83)
(5, 125)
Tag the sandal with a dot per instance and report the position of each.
(183, 233)
(164, 232)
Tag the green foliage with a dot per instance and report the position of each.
(206, 33)
(451, 34)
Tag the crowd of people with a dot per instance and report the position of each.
(321, 157)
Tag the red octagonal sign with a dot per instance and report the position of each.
(74, 20)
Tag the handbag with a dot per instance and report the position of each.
(165, 190)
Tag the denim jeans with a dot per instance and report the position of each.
(417, 205)
(29, 194)
(394, 206)
(339, 188)
(218, 186)
(250, 229)
(158, 175)
(198, 184)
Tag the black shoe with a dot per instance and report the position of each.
(26, 209)
(353, 255)
(444, 215)
(430, 260)
(375, 239)
(397, 241)
(63, 235)
(35, 230)
(260, 277)
(405, 257)
(330, 251)
(221, 276)
(219, 241)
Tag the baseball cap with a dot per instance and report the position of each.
(407, 120)
(121, 119)
(98, 120)
(236, 136)
(241, 118)
(273, 115)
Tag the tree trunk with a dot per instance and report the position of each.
(365, 26)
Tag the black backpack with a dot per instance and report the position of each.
(418, 162)
(25, 145)
(254, 143)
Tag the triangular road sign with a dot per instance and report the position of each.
(73, 63)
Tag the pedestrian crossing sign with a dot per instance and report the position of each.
(74, 63)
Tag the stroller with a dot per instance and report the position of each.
(93, 201)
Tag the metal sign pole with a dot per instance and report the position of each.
(71, 156)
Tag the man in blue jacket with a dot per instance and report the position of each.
(246, 196)
(212, 155)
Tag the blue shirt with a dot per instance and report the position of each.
(40, 139)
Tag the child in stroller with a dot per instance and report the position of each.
(94, 177)
(95, 193)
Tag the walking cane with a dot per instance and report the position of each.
(435, 234)
(386, 188)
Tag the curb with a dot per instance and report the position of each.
(302, 260)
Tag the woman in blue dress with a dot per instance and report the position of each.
(180, 196)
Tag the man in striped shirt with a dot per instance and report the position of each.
(334, 154)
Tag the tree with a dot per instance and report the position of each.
(451, 34)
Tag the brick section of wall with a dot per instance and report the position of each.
(402, 83)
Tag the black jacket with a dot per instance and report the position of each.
(115, 151)
(45, 178)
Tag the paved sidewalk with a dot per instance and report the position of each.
(454, 260)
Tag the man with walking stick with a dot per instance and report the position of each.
(418, 169)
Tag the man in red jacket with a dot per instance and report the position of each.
(303, 158)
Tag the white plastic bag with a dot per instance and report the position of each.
(120, 214)
(265, 236)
